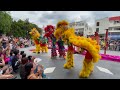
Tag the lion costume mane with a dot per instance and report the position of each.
(92, 56)
(40, 42)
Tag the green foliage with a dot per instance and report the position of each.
(18, 28)
(5, 22)
(22, 28)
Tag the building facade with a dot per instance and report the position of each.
(102, 25)
(81, 28)
(110, 23)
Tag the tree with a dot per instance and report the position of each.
(5, 22)
(22, 28)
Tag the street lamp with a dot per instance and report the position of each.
(106, 41)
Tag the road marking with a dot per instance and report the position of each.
(37, 60)
(104, 70)
(49, 70)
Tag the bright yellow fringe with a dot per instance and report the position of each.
(87, 43)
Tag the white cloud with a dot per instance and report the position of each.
(52, 17)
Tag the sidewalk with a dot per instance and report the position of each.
(117, 53)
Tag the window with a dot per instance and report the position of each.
(110, 28)
(97, 29)
(80, 24)
(115, 22)
(116, 28)
(98, 23)
(81, 29)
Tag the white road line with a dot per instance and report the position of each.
(49, 70)
(37, 60)
(104, 70)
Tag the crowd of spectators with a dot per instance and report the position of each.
(13, 61)
(113, 45)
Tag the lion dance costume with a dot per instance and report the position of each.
(43, 44)
(40, 42)
(68, 36)
(49, 33)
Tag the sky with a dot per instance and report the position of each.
(43, 18)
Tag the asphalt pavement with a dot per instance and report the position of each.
(54, 67)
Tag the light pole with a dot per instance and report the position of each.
(106, 42)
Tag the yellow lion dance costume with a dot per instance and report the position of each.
(92, 56)
(43, 44)
(40, 42)
(35, 36)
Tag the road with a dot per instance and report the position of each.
(103, 69)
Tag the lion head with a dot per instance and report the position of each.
(49, 29)
(62, 30)
(34, 33)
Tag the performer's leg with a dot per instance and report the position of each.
(87, 68)
(63, 53)
(70, 61)
(60, 52)
(42, 49)
(53, 52)
(37, 48)
(46, 49)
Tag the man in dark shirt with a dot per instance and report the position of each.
(15, 61)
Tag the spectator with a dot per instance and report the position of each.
(4, 43)
(15, 61)
(29, 68)
(30, 58)
(119, 45)
(5, 54)
(6, 76)
(22, 67)
(10, 42)
(36, 69)
(11, 58)
(15, 47)
(23, 55)
(2, 62)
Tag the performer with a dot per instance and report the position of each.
(43, 44)
(61, 48)
(36, 38)
(49, 34)
(53, 50)
(91, 46)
